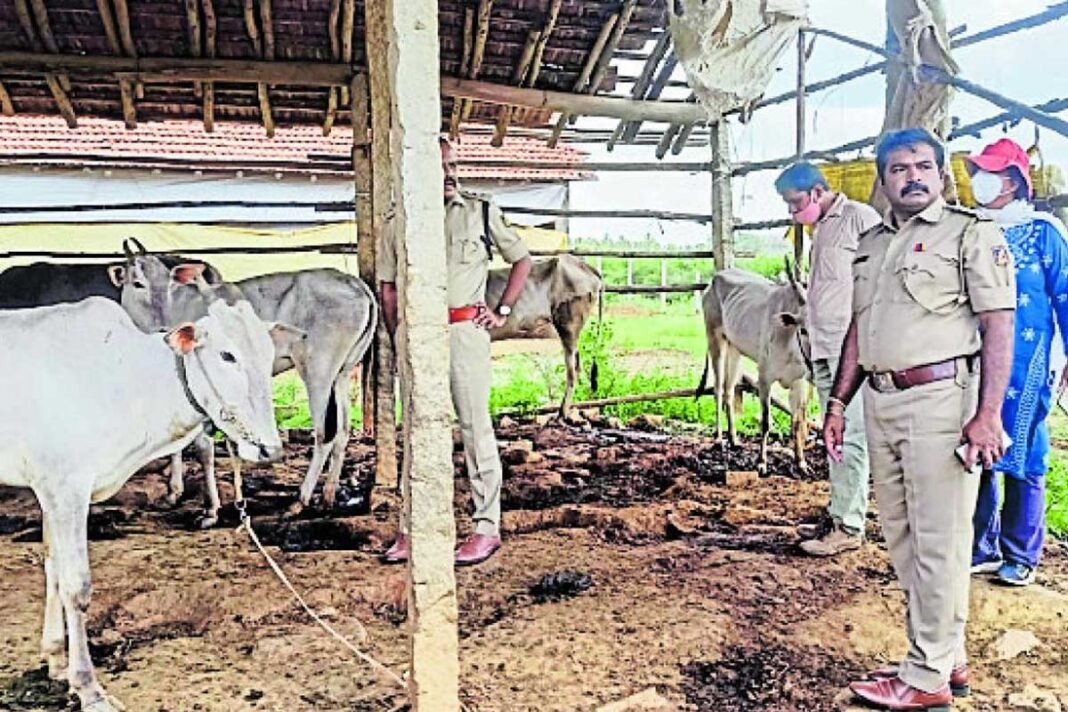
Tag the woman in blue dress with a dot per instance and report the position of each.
(1008, 536)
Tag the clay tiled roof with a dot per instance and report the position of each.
(183, 145)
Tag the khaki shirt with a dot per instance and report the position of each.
(830, 288)
(917, 290)
(466, 257)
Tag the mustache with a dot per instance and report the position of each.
(914, 186)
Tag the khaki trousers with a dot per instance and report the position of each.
(926, 500)
(470, 377)
(849, 478)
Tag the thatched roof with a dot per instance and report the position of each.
(287, 31)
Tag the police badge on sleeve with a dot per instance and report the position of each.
(1001, 255)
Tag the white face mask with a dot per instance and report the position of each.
(986, 187)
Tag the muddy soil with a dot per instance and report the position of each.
(634, 559)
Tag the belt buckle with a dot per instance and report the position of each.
(883, 381)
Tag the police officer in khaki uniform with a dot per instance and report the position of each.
(931, 343)
(468, 218)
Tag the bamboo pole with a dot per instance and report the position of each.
(331, 111)
(122, 18)
(267, 28)
(129, 113)
(799, 119)
(722, 195)
(348, 19)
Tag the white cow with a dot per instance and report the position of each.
(98, 398)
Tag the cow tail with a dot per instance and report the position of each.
(600, 321)
(704, 379)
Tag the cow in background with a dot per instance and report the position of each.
(336, 311)
(747, 314)
(559, 292)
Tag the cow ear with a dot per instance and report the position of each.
(187, 273)
(182, 339)
(117, 275)
(788, 319)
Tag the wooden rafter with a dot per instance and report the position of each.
(507, 113)
(265, 109)
(348, 20)
(129, 112)
(331, 111)
(267, 25)
(122, 17)
(465, 68)
(504, 114)
(251, 27)
(210, 31)
(44, 27)
(587, 70)
(23, 12)
(485, 10)
(66, 109)
(103, 7)
(6, 107)
(171, 69)
(192, 14)
(331, 29)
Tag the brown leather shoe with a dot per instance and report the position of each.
(895, 694)
(959, 678)
(477, 549)
(398, 552)
(835, 542)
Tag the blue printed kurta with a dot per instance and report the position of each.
(1040, 253)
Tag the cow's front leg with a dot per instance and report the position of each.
(765, 429)
(54, 632)
(68, 524)
(176, 483)
(799, 422)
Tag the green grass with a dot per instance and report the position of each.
(1057, 478)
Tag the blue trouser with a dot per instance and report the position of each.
(1015, 533)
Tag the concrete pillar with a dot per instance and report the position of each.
(411, 43)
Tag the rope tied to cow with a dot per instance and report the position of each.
(246, 524)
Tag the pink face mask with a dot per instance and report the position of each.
(809, 215)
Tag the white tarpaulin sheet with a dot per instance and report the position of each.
(729, 48)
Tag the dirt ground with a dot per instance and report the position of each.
(633, 560)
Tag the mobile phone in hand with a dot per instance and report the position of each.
(1006, 443)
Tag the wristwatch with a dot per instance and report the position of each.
(504, 309)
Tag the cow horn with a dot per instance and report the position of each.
(137, 244)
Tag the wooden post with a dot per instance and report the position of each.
(719, 139)
(799, 230)
(423, 350)
(365, 240)
(385, 425)
(663, 281)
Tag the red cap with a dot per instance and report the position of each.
(1002, 155)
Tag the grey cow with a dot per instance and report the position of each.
(559, 292)
(336, 311)
(747, 314)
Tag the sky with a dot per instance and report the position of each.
(1030, 66)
